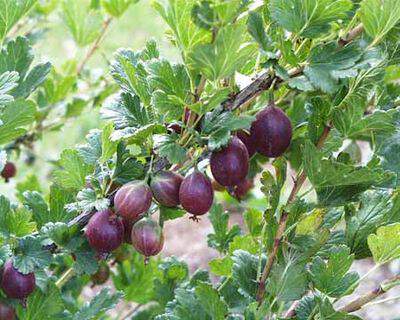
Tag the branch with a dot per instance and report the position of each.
(94, 46)
(384, 287)
(299, 181)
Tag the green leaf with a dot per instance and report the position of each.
(130, 73)
(177, 14)
(30, 254)
(221, 266)
(218, 124)
(167, 146)
(86, 262)
(254, 221)
(14, 222)
(244, 273)
(222, 236)
(83, 23)
(211, 301)
(12, 12)
(135, 279)
(18, 56)
(117, 8)
(127, 168)
(74, 172)
(376, 208)
(170, 85)
(225, 56)
(87, 200)
(309, 19)
(42, 305)
(108, 148)
(58, 232)
(379, 17)
(35, 202)
(288, 281)
(131, 119)
(14, 117)
(31, 183)
(167, 213)
(331, 277)
(329, 63)
(103, 301)
(385, 244)
(174, 272)
(352, 123)
(328, 175)
(255, 26)
(8, 81)
(58, 199)
(311, 306)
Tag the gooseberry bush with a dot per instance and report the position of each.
(284, 111)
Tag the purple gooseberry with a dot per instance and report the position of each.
(272, 131)
(196, 193)
(132, 200)
(6, 312)
(147, 237)
(9, 171)
(165, 187)
(248, 141)
(105, 231)
(230, 165)
(15, 284)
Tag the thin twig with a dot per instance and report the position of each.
(382, 288)
(94, 46)
(298, 183)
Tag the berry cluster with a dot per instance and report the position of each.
(270, 135)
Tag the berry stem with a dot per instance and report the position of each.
(65, 277)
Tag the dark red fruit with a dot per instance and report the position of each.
(147, 237)
(105, 231)
(175, 127)
(248, 141)
(165, 187)
(240, 191)
(15, 284)
(9, 171)
(230, 165)
(132, 200)
(6, 312)
(196, 193)
(102, 275)
(272, 131)
(127, 230)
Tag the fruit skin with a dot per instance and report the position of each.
(102, 275)
(127, 230)
(9, 171)
(240, 190)
(105, 231)
(230, 165)
(165, 187)
(6, 312)
(272, 131)
(147, 237)
(249, 141)
(132, 200)
(196, 193)
(15, 284)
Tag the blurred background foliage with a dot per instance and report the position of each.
(55, 42)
